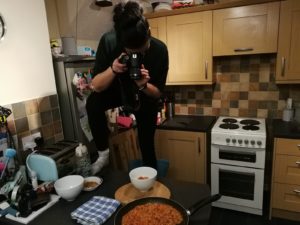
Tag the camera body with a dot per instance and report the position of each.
(133, 62)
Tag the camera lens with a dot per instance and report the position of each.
(134, 70)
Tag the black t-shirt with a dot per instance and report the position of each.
(155, 60)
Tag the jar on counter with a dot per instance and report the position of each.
(83, 161)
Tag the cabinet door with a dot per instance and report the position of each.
(287, 169)
(186, 152)
(189, 41)
(288, 58)
(286, 197)
(158, 28)
(246, 30)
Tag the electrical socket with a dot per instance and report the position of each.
(26, 141)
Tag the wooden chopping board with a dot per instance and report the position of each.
(128, 193)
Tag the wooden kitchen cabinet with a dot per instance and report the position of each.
(288, 57)
(249, 29)
(186, 152)
(189, 41)
(285, 200)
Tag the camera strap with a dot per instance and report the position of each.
(130, 99)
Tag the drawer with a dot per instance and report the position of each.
(287, 146)
(286, 197)
(287, 169)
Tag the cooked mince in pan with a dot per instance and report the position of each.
(152, 214)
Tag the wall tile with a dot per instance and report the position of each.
(245, 87)
(31, 107)
(18, 109)
(44, 104)
(36, 115)
(21, 125)
(34, 121)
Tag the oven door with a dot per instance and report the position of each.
(238, 156)
(238, 185)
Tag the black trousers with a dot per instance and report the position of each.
(98, 103)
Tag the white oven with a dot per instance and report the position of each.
(237, 164)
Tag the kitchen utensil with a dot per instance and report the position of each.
(185, 213)
(287, 115)
(297, 112)
(69, 46)
(9, 154)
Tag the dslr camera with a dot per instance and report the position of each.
(133, 62)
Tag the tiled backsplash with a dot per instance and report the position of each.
(35, 115)
(245, 87)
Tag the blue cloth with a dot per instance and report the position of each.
(95, 211)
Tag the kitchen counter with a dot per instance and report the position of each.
(188, 123)
(282, 129)
(185, 193)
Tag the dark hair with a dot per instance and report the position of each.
(131, 26)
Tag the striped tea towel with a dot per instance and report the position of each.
(95, 211)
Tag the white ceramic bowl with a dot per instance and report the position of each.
(143, 178)
(69, 187)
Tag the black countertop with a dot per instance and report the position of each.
(185, 193)
(281, 129)
(188, 123)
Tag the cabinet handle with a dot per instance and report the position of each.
(282, 66)
(243, 49)
(298, 146)
(199, 145)
(298, 163)
(297, 191)
(206, 68)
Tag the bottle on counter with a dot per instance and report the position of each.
(83, 161)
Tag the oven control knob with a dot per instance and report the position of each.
(252, 142)
(240, 141)
(246, 142)
(227, 140)
(233, 141)
(259, 143)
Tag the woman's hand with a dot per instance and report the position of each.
(144, 77)
(118, 67)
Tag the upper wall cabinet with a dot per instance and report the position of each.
(249, 29)
(288, 58)
(189, 41)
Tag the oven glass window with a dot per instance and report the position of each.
(236, 184)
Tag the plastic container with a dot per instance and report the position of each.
(297, 112)
(83, 161)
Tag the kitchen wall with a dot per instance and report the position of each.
(27, 83)
(245, 87)
(36, 115)
(25, 57)
(80, 19)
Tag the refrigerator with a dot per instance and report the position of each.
(72, 98)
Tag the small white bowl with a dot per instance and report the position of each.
(69, 187)
(91, 183)
(143, 178)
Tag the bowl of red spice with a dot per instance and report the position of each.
(143, 178)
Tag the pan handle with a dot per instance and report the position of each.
(194, 208)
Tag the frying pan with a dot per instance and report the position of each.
(185, 213)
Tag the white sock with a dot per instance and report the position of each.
(103, 160)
